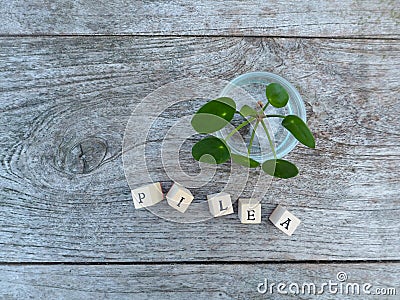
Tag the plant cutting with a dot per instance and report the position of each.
(218, 113)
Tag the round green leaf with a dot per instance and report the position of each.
(247, 111)
(277, 95)
(211, 150)
(299, 129)
(244, 161)
(280, 168)
(214, 115)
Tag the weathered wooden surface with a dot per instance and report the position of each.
(186, 281)
(71, 72)
(58, 93)
(354, 18)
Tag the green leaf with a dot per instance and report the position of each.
(280, 168)
(244, 161)
(247, 111)
(211, 150)
(299, 129)
(277, 95)
(214, 115)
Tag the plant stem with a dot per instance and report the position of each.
(238, 128)
(271, 144)
(275, 116)
(265, 106)
(252, 137)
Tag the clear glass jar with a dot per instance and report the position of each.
(248, 89)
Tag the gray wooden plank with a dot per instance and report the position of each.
(200, 281)
(57, 93)
(212, 17)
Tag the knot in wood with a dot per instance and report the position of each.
(84, 156)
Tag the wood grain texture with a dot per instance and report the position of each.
(354, 18)
(187, 281)
(67, 98)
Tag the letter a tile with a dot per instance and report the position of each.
(284, 220)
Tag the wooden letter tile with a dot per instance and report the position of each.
(284, 220)
(147, 195)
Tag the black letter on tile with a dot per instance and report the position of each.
(179, 204)
(220, 206)
(251, 215)
(287, 224)
(141, 197)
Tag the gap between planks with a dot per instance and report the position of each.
(200, 36)
(133, 263)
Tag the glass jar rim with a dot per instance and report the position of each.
(295, 103)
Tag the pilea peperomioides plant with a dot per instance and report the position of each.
(216, 114)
